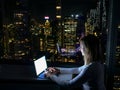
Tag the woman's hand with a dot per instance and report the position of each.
(53, 70)
(48, 74)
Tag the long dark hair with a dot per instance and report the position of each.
(93, 44)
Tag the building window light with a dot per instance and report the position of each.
(58, 7)
(17, 23)
(58, 16)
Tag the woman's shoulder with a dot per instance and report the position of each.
(82, 67)
(97, 65)
(93, 65)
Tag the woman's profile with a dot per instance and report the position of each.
(91, 74)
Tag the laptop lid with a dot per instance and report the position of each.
(40, 65)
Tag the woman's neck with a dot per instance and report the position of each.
(87, 60)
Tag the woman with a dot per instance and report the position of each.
(91, 74)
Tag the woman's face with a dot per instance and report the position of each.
(82, 48)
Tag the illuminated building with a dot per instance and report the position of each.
(38, 38)
(58, 9)
(50, 44)
(69, 33)
(59, 18)
(93, 21)
(22, 37)
(1, 30)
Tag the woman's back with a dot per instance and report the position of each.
(95, 74)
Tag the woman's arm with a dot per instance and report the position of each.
(79, 79)
(61, 70)
(75, 70)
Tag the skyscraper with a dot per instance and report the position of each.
(1, 30)
(58, 18)
(58, 9)
(22, 38)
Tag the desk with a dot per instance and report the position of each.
(12, 78)
(20, 77)
(27, 84)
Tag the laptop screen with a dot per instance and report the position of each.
(40, 65)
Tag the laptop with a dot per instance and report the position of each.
(40, 67)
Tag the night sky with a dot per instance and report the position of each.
(41, 8)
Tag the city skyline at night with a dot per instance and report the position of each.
(46, 7)
(39, 9)
(24, 17)
(30, 29)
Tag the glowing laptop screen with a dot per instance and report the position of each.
(40, 65)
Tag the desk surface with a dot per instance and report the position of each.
(27, 84)
(19, 73)
(15, 77)
(25, 80)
